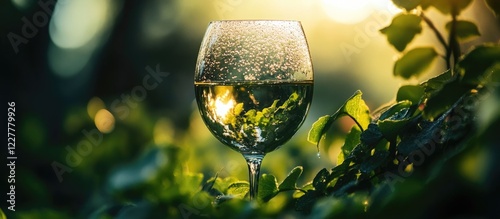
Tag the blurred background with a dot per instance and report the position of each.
(105, 99)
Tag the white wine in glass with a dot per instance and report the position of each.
(253, 86)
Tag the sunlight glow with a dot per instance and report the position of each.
(355, 11)
(223, 108)
(347, 12)
(385, 6)
(223, 103)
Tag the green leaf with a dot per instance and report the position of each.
(475, 64)
(290, 182)
(465, 30)
(307, 201)
(391, 128)
(397, 111)
(222, 184)
(374, 161)
(412, 93)
(445, 6)
(372, 135)
(407, 4)
(308, 186)
(221, 199)
(355, 107)
(494, 5)
(238, 189)
(442, 100)
(320, 181)
(426, 134)
(268, 187)
(341, 168)
(190, 181)
(414, 62)
(209, 186)
(346, 181)
(393, 121)
(351, 140)
(402, 30)
(319, 128)
(436, 83)
(492, 74)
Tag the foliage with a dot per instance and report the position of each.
(428, 121)
(436, 137)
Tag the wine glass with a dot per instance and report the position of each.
(253, 85)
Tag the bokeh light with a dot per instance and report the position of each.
(77, 29)
(94, 105)
(104, 121)
(75, 23)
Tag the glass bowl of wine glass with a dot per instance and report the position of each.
(253, 85)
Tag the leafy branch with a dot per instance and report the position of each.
(385, 151)
(429, 121)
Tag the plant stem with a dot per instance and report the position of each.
(454, 46)
(357, 123)
(439, 37)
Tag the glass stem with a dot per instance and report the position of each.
(254, 161)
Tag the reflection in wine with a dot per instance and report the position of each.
(254, 118)
(223, 104)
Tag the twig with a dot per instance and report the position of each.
(439, 37)
(454, 46)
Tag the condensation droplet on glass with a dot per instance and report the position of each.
(318, 154)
